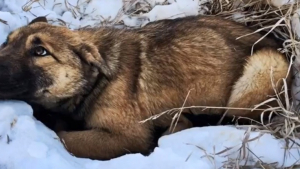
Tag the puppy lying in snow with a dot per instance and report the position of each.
(107, 80)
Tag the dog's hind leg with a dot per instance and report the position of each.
(255, 85)
(182, 124)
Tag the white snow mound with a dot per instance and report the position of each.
(27, 143)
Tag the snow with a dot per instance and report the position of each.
(178, 8)
(27, 143)
(296, 22)
(279, 3)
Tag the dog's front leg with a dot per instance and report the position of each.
(104, 145)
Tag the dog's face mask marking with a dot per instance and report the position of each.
(46, 62)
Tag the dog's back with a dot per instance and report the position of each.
(208, 57)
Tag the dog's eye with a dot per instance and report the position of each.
(39, 51)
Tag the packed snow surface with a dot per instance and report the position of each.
(26, 143)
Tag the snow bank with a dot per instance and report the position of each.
(27, 143)
(81, 13)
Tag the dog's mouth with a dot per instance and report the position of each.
(15, 89)
(17, 83)
(14, 93)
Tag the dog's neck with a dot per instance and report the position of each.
(78, 106)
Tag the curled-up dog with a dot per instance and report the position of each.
(105, 81)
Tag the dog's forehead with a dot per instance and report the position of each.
(34, 29)
(15, 34)
(23, 32)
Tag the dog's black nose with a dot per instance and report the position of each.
(13, 80)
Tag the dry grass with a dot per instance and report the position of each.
(278, 21)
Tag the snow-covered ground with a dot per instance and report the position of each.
(26, 143)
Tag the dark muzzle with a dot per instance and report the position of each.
(15, 80)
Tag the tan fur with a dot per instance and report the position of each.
(264, 69)
(110, 79)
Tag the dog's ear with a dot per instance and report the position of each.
(39, 19)
(90, 54)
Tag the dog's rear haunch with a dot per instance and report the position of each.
(109, 80)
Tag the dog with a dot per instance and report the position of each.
(105, 81)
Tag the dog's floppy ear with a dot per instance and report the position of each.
(39, 19)
(90, 54)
